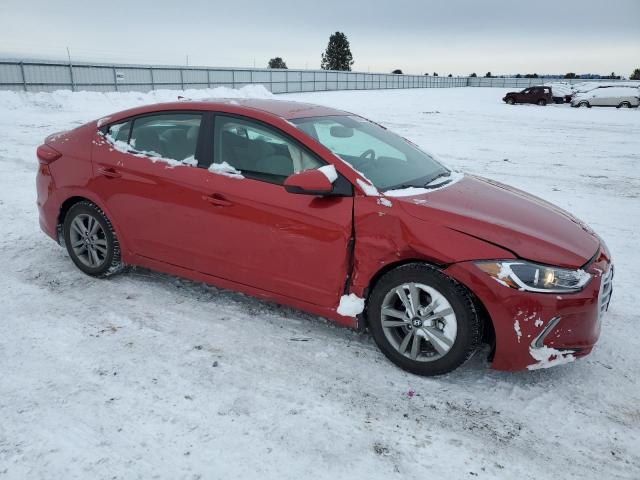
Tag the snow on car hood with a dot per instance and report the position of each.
(528, 226)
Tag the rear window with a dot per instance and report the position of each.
(173, 136)
(119, 132)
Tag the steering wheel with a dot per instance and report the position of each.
(371, 153)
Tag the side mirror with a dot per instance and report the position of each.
(309, 182)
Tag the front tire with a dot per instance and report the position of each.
(584, 104)
(91, 240)
(511, 101)
(624, 105)
(423, 321)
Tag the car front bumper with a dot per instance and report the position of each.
(537, 330)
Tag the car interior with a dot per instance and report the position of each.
(175, 139)
(258, 152)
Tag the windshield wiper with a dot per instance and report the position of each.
(440, 175)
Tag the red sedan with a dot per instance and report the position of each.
(325, 211)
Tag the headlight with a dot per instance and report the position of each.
(533, 277)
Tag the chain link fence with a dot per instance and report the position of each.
(49, 76)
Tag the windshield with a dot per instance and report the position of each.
(387, 160)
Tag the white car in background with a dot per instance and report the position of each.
(619, 97)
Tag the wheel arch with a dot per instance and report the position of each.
(488, 329)
(65, 206)
(77, 197)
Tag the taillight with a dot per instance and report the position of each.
(46, 154)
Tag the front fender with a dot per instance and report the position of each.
(386, 235)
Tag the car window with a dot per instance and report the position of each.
(173, 135)
(358, 144)
(119, 132)
(258, 151)
(387, 160)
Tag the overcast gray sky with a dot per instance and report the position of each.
(447, 36)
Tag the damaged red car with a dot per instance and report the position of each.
(325, 211)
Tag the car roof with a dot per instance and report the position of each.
(281, 108)
(253, 107)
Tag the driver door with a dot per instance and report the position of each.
(290, 244)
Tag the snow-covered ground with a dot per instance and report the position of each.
(149, 376)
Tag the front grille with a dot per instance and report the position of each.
(606, 288)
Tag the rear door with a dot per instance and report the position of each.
(150, 172)
(535, 94)
(290, 244)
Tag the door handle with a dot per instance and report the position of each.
(109, 172)
(217, 200)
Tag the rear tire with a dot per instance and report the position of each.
(91, 240)
(443, 326)
(542, 102)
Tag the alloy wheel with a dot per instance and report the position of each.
(419, 322)
(88, 240)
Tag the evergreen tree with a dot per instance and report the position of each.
(635, 75)
(570, 75)
(518, 76)
(473, 75)
(449, 75)
(337, 56)
(397, 71)
(488, 75)
(435, 74)
(277, 62)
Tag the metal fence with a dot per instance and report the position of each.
(49, 76)
(513, 82)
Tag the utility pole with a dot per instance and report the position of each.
(73, 83)
(187, 59)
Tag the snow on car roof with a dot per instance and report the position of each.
(588, 86)
(560, 88)
(608, 92)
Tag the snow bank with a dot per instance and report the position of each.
(114, 101)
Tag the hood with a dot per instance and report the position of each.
(528, 226)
